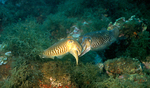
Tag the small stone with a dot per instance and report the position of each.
(8, 53)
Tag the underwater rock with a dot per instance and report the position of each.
(75, 33)
(56, 74)
(8, 53)
(3, 60)
(5, 63)
(147, 62)
(5, 67)
(4, 55)
(128, 28)
(122, 65)
(100, 66)
(118, 23)
(134, 78)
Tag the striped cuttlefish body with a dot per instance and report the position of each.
(62, 48)
(98, 40)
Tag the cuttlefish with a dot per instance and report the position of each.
(98, 40)
(62, 48)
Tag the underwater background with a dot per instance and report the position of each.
(28, 27)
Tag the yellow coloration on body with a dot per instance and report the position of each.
(62, 48)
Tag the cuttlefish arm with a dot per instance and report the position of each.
(76, 50)
(75, 54)
(86, 46)
(85, 50)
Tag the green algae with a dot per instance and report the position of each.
(128, 81)
(24, 75)
(84, 76)
(139, 46)
(58, 25)
(26, 39)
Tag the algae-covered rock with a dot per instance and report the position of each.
(56, 74)
(122, 65)
(3, 60)
(126, 81)
(130, 27)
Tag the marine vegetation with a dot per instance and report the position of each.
(58, 25)
(25, 39)
(56, 74)
(23, 75)
(126, 81)
(139, 46)
(86, 76)
(27, 28)
(65, 74)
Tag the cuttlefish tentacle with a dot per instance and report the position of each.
(86, 45)
(62, 48)
(76, 50)
(75, 54)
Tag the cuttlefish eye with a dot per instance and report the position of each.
(89, 40)
(70, 41)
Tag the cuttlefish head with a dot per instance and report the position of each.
(75, 48)
(86, 44)
(73, 45)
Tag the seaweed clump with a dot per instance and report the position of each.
(139, 46)
(86, 76)
(65, 74)
(58, 25)
(25, 39)
(56, 74)
(130, 81)
(24, 75)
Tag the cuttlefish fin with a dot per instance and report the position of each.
(44, 56)
(61, 56)
(75, 54)
(52, 57)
